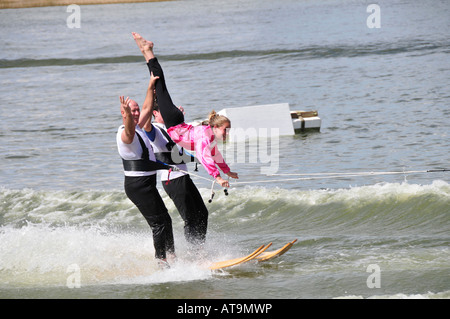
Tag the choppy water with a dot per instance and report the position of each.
(383, 98)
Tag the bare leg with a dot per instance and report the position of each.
(145, 46)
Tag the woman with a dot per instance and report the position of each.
(201, 139)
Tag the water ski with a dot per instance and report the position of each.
(265, 256)
(237, 261)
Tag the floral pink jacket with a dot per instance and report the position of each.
(201, 140)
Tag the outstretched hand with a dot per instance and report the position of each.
(124, 105)
(222, 182)
(233, 175)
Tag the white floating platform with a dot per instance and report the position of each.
(268, 121)
(305, 120)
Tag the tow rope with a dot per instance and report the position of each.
(307, 176)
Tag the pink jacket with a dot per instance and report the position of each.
(201, 140)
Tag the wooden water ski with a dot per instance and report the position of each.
(265, 256)
(237, 261)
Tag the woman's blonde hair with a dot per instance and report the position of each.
(215, 119)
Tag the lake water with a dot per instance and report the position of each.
(383, 97)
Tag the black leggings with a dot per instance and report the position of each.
(170, 113)
(143, 193)
(191, 207)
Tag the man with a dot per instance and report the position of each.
(140, 173)
(178, 185)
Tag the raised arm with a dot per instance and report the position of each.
(129, 131)
(149, 102)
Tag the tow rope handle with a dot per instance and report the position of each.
(225, 190)
(212, 192)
